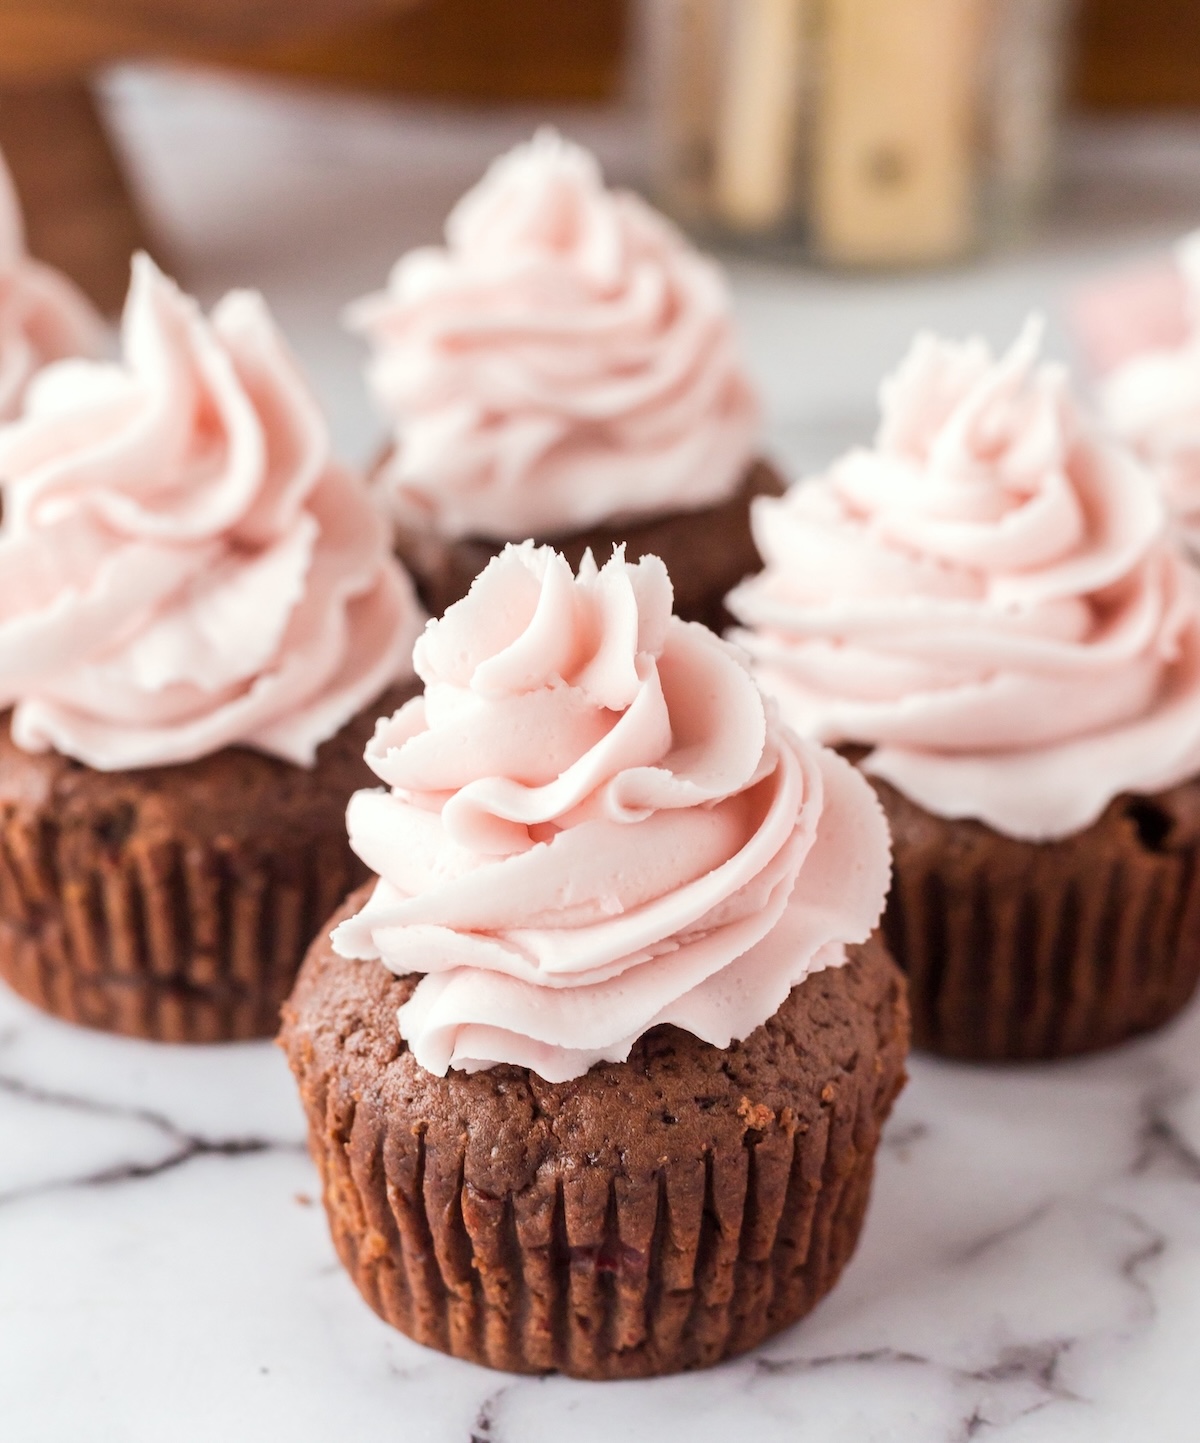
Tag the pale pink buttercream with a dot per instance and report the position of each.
(987, 598)
(1152, 401)
(1117, 317)
(182, 565)
(595, 825)
(566, 359)
(43, 317)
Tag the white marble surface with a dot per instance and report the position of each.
(1030, 1270)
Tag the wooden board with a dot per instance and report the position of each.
(62, 37)
(1134, 53)
(472, 49)
(479, 49)
(79, 214)
(1130, 52)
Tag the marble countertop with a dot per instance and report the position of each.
(1030, 1268)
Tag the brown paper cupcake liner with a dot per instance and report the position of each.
(161, 940)
(707, 552)
(173, 903)
(652, 1216)
(1018, 950)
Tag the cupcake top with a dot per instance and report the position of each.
(43, 317)
(986, 598)
(594, 824)
(182, 565)
(566, 358)
(1152, 400)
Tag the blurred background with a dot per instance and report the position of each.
(864, 166)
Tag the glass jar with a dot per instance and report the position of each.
(880, 133)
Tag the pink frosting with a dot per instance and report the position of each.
(43, 317)
(594, 824)
(182, 565)
(1152, 400)
(1121, 316)
(986, 598)
(567, 358)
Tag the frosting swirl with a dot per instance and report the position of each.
(567, 358)
(986, 598)
(43, 317)
(594, 825)
(1119, 316)
(182, 565)
(1152, 401)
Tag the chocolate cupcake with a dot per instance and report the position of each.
(564, 369)
(172, 902)
(595, 1073)
(986, 606)
(199, 617)
(1019, 951)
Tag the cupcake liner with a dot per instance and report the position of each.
(707, 552)
(1018, 950)
(174, 903)
(590, 1268)
(180, 943)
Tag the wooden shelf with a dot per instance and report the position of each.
(489, 50)
(79, 214)
(1138, 53)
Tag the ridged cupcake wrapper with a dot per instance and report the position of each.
(169, 940)
(590, 1273)
(1070, 951)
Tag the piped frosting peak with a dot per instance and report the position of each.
(183, 566)
(593, 824)
(566, 358)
